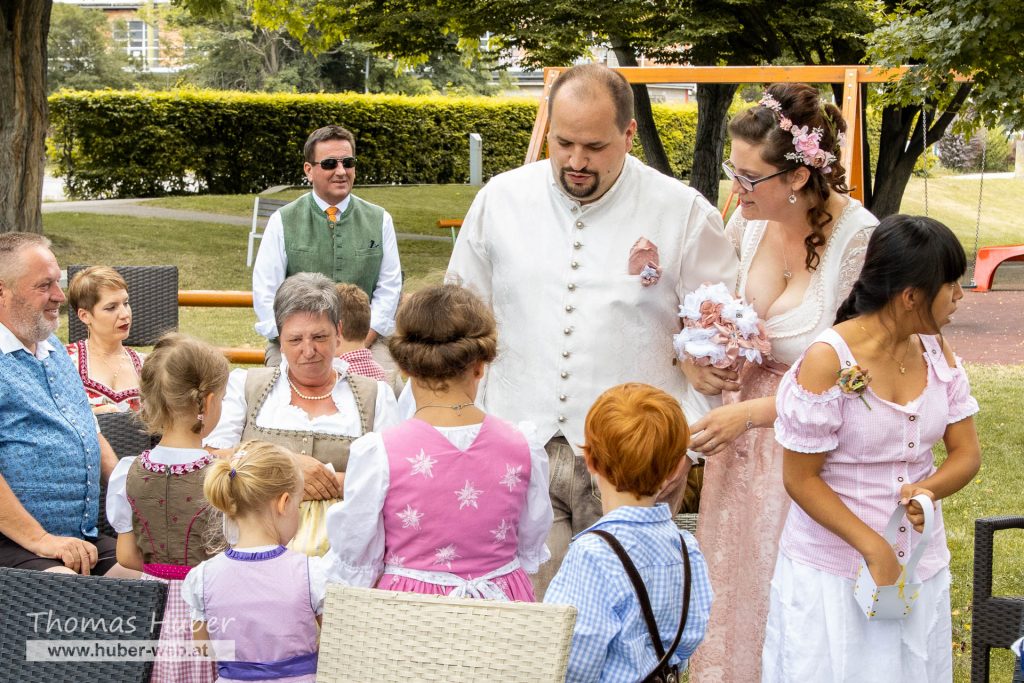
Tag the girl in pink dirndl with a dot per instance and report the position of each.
(453, 501)
(800, 239)
(858, 416)
(155, 501)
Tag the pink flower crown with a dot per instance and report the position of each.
(807, 143)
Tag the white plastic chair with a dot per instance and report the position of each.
(262, 209)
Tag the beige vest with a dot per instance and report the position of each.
(327, 448)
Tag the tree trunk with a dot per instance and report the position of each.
(899, 148)
(654, 151)
(24, 25)
(713, 102)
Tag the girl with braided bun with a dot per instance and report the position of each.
(155, 501)
(257, 593)
(452, 501)
(800, 239)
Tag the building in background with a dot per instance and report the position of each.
(136, 27)
(530, 83)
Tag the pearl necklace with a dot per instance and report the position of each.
(301, 395)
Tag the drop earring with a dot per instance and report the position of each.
(792, 198)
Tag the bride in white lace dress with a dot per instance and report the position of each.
(801, 240)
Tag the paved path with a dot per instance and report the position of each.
(140, 208)
(987, 327)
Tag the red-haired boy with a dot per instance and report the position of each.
(636, 438)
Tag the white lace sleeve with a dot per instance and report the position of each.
(734, 231)
(852, 261)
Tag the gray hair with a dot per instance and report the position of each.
(11, 244)
(306, 293)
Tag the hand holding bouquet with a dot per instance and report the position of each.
(719, 329)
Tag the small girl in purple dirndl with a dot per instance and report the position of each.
(259, 595)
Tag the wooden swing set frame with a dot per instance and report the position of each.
(852, 153)
(851, 77)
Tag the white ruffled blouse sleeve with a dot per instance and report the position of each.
(386, 408)
(317, 568)
(355, 526)
(192, 593)
(119, 510)
(536, 517)
(807, 422)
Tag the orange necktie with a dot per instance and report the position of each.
(332, 214)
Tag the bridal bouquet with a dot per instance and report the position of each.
(719, 329)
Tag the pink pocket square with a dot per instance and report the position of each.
(644, 261)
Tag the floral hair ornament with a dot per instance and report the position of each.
(854, 380)
(807, 143)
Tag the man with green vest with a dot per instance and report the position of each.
(333, 232)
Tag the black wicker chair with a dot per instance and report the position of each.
(996, 621)
(127, 437)
(154, 299)
(125, 433)
(41, 606)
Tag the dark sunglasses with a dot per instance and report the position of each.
(746, 183)
(331, 163)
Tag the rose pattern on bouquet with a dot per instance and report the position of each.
(720, 330)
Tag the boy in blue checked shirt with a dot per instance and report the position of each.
(636, 438)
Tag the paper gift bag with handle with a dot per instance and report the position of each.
(311, 536)
(896, 601)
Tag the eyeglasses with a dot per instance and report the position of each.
(331, 163)
(746, 183)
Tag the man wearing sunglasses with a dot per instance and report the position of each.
(333, 232)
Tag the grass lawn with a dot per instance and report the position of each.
(415, 208)
(212, 256)
(952, 200)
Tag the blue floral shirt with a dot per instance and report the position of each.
(49, 449)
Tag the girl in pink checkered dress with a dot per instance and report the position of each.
(453, 501)
(155, 501)
(858, 415)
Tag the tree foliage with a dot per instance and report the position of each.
(228, 50)
(976, 38)
(710, 32)
(81, 53)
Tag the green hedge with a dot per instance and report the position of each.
(135, 144)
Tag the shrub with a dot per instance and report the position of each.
(136, 144)
(993, 145)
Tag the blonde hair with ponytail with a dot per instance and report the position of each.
(258, 473)
(176, 379)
